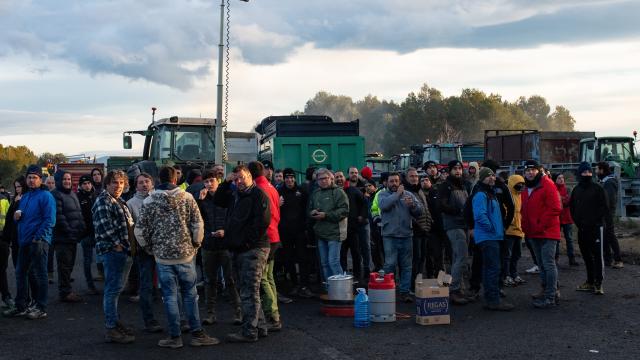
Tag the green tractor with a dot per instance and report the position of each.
(617, 150)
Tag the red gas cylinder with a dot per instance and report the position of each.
(382, 297)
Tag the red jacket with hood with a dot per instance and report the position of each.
(274, 206)
(565, 215)
(541, 211)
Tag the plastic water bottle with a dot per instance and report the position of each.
(361, 311)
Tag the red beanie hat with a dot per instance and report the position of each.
(366, 172)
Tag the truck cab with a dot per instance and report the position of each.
(618, 150)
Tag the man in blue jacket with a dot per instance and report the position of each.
(36, 218)
(488, 233)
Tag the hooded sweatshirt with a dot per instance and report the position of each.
(170, 225)
(70, 226)
(515, 229)
(473, 178)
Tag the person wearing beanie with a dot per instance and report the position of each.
(35, 219)
(366, 173)
(70, 228)
(488, 235)
(87, 197)
(541, 208)
(503, 195)
(610, 184)
(589, 208)
(566, 222)
(453, 194)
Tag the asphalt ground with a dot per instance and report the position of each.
(583, 326)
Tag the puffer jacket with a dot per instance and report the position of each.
(335, 204)
(541, 210)
(170, 225)
(515, 229)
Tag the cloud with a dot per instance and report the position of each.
(174, 43)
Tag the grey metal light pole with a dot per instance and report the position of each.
(219, 138)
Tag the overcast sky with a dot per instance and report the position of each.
(75, 74)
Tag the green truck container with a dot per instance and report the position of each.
(303, 141)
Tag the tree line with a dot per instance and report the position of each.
(15, 159)
(427, 115)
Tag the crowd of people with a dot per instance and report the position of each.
(256, 231)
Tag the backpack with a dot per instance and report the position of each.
(468, 208)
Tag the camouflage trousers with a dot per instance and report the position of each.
(250, 266)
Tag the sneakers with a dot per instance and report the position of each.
(237, 317)
(519, 281)
(153, 326)
(240, 338)
(14, 312)
(305, 293)
(597, 289)
(125, 329)
(503, 306)
(617, 264)
(544, 303)
(171, 342)
(200, 338)
(210, 319)
(458, 299)
(283, 299)
(533, 270)
(274, 325)
(508, 282)
(36, 314)
(116, 336)
(71, 298)
(586, 286)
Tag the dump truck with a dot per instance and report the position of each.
(303, 141)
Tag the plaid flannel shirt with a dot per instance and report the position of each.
(110, 218)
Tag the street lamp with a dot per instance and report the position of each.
(219, 138)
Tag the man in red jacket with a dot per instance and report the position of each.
(268, 284)
(541, 210)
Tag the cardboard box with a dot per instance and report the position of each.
(432, 300)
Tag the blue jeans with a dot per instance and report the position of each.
(330, 257)
(115, 264)
(364, 238)
(459, 251)
(491, 271)
(182, 277)
(567, 229)
(32, 263)
(399, 251)
(146, 267)
(545, 250)
(88, 243)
